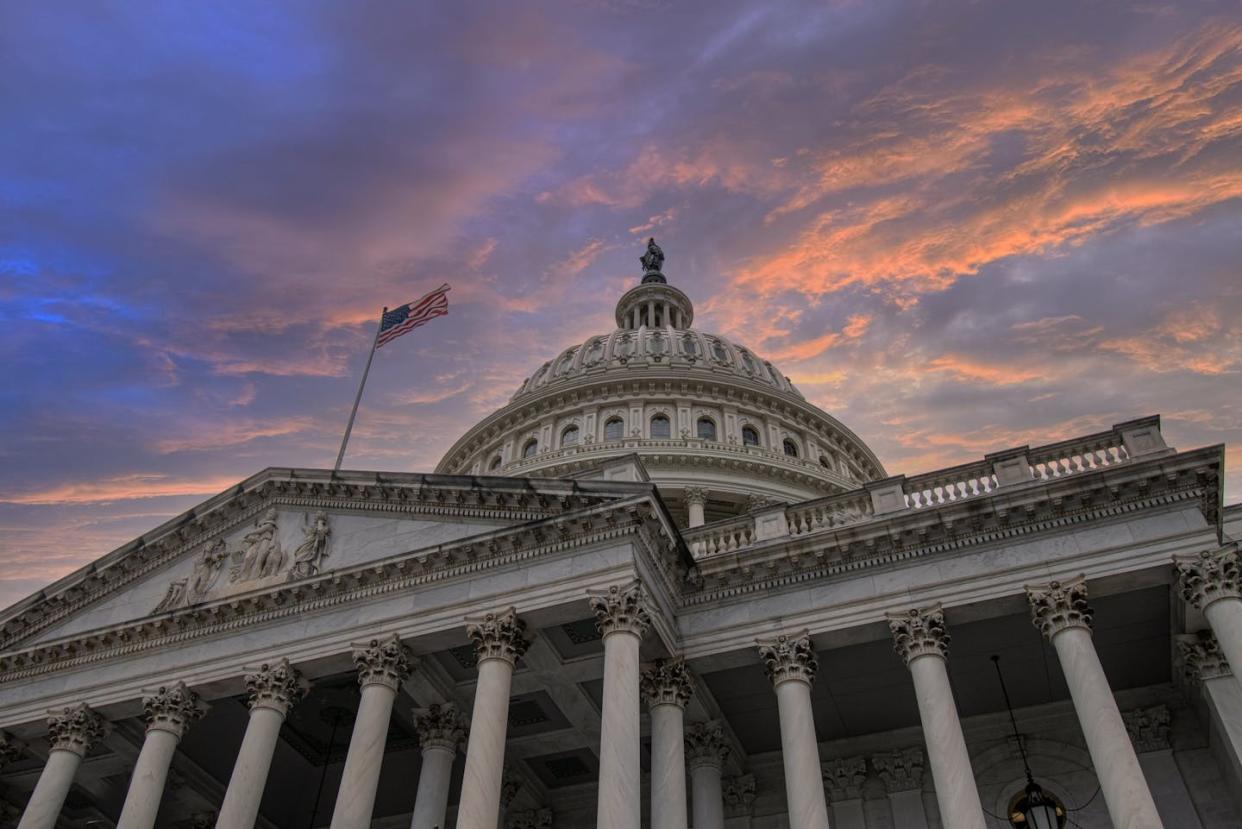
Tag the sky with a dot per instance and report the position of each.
(957, 226)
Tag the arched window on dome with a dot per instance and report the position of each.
(624, 346)
(566, 361)
(750, 436)
(718, 351)
(706, 428)
(614, 429)
(596, 350)
(569, 437)
(824, 462)
(495, 464)
(791, 448)
(531, 447)
(661, 427)
(747, 360)
(689, 346)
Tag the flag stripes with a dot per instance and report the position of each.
(407, 317)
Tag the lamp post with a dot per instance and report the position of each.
(1037, 809)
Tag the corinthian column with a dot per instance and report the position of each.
(383, 664)
(273, 689)
(696, 499)
(499, 642)
(1212, 582)
(1061, 612)
(791, 665)
(73, 731)
(844, 779)
(170, 710)
(919, 637)
(706, 752)
(667, 687)
(621, 616)
(1206, 666)
(441, 728)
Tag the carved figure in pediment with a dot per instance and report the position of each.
(206, 570)
(261, 554)
(314, 547)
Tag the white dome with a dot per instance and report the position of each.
(706, 416)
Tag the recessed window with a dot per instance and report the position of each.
(531, 447)
(718, 351)
(495, 464)
(689, 346)
(614, 429)
(570, 436)
(661, 427)
(706, 428)
(824, 462)
(750, 436)
(791, 448)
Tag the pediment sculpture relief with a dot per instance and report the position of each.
(259, 560)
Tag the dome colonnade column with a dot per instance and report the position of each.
(920, 638)
(499, 641)
(1061, 612)
(622, 618)
(169, 712)
(667, 688)
(73, 731)
(790, 663)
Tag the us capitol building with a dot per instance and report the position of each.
(657, 589)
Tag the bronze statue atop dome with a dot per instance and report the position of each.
(653, 261)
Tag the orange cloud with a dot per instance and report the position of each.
(121, 488)
(972, 370)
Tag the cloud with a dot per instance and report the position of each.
(119, 488)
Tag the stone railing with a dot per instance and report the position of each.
(996, 471)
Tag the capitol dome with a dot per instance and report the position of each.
(719, 429)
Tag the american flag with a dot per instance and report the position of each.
(413, 314)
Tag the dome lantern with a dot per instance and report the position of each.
(654, 303)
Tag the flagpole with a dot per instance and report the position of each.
(349, 427)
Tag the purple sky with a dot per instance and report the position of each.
(957, 226)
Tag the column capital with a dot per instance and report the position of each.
(510, 785)
(1148, 728)
(739, 795)
(172, 708)
(706, 745)
(498, 635)
(621, 608)
(76, 728)
(382, 662)
(1059, 605)
(696, 495)
(900, 770)
(667, 682)
(790, 656)
(1210, 576)
(1202, 657)
(919, 632)
(440, 726)
(844, 778)
(531, 819)
(276, 685)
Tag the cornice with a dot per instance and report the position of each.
(464, 558)
(509, 499)
(1002, 516)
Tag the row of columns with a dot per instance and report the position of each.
(1211, 582)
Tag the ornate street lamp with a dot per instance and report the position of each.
(1035, 810)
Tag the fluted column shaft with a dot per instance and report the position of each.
(73, 731)
(1062, 614)
(431, 801)
(499, 641)
(622, 619)
(382, 666)
(668, 767)
(273, 689)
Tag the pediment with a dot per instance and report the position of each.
(281, 527)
